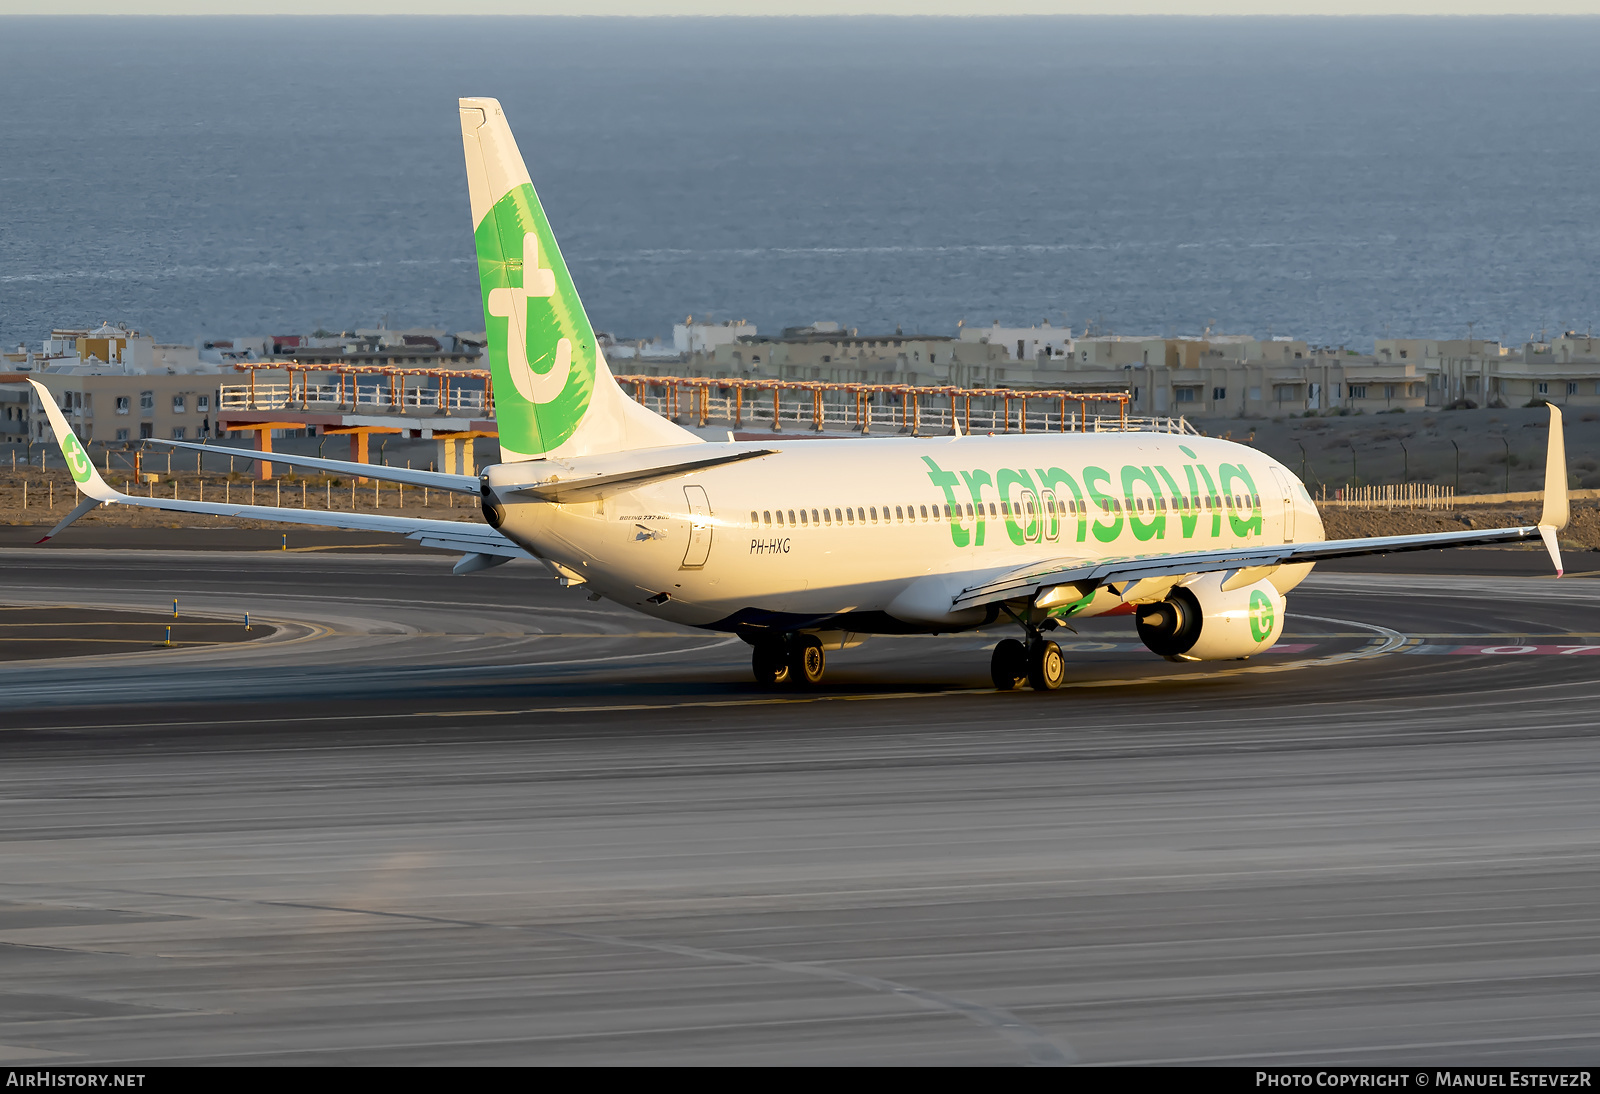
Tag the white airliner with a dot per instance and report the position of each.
(802, 548)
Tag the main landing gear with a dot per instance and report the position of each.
(1038, 664)
(790, 660)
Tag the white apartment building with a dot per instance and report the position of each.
(1022, 343)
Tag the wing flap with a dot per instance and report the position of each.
(1028, 581)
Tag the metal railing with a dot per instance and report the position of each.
(349, 396)
(776, 404)
(908, 409)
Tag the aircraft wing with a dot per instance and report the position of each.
(1051, 582)
(437, 480)
(480, 544)
(1078, 578)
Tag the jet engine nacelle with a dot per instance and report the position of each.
(1199, 621)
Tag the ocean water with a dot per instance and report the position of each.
(1333, 179)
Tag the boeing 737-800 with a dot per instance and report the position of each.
(801, 548)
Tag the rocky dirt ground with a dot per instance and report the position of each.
(1492, 450)
(1581, 534)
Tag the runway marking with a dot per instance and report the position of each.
(1388, 641)
(514, 634)
(1495, 651)
(328, 547)
(1409, 1046)
(1042, 1049)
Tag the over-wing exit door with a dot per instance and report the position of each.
(699, 528)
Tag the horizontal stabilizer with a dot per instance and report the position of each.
(589, 487)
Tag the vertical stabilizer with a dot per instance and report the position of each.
(554, 395)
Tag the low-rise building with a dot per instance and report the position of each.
(1022, 343)
(692, 337)
(106, 407)
(14, 403)
(1481, 372)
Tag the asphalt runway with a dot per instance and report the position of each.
(481, 820)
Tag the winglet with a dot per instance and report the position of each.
(1556, 509)
(84, 506)
(1548, 534)
(78, 461)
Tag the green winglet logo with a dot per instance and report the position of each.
(77, 459)
(541, 346)
(1261, 615)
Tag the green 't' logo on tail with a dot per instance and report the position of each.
(77, 459)
(541, 346)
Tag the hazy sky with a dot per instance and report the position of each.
(799, 7)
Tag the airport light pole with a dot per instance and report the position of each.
(1405, 462)
(1354, 478)
(1508, 463)
(1457, 447)
(1302, 461)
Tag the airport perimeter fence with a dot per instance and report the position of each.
(1405, 495)
(55, 493)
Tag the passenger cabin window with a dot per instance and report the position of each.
(766, 515)
(754, 518)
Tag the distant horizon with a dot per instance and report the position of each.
(1338, 179)
(801, 9)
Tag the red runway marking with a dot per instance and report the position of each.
(1505, 650)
